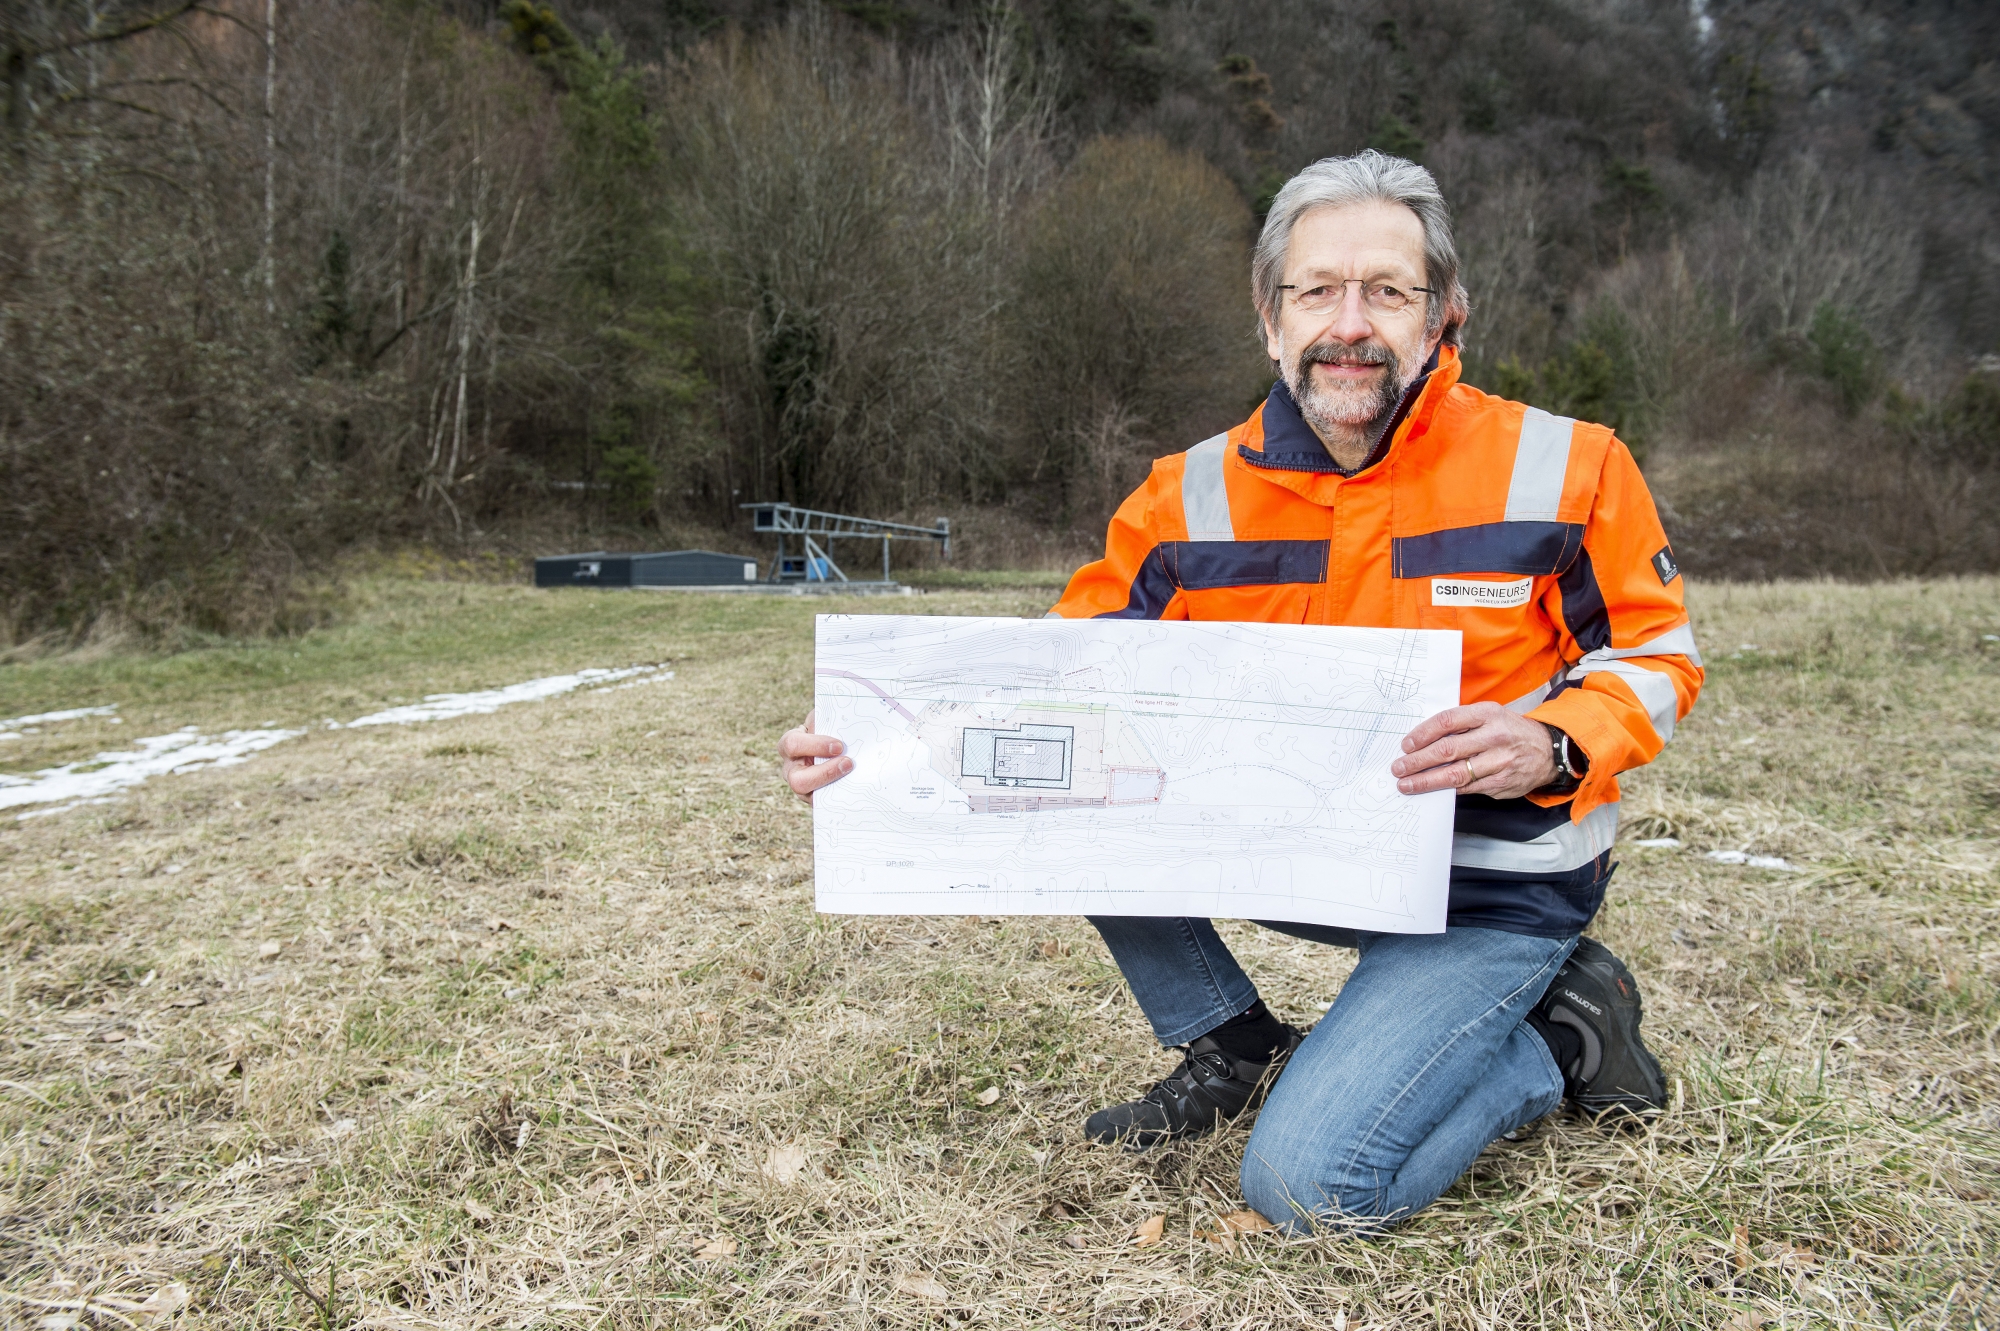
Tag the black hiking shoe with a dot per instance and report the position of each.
(1595, 996)
(1208, 1087)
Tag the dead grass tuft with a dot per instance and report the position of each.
(553, 1038)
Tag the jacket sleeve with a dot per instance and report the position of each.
(1634, 668)
(1132, 581)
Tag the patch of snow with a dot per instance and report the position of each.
(14, 727)
(188, 750)
(185, 750)
(1754, 861)
(65, 808)
(442, 706)
(68, 714)
(1660, 843)
(648, 679)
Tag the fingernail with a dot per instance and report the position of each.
(839, 747)
(1403, 786)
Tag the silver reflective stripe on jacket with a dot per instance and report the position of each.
(1204, 495)
(1529, 701)
(1654, 689)
(1674, 642)
(1541, 460)
(1556, 851)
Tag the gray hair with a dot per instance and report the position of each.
(1371, 176)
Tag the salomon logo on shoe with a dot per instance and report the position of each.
(1582, 1002)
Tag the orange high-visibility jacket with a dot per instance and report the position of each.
(1532, 534)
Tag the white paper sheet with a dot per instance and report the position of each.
(1130, 767)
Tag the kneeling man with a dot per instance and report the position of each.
(1373, 488)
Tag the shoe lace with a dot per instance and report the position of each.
(1188, 1074)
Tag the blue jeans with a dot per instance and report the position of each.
(1422, 1060)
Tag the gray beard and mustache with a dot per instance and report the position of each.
(1348, 412)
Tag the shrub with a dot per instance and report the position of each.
(1845, 356)
(1131, 325)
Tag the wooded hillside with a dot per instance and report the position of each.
(282, 280)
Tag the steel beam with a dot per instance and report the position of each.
(814, 528)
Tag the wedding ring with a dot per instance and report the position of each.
(1470, 775)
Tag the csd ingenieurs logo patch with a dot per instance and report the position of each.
(1481, 595)
(1664, 565)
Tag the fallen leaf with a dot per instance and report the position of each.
(164, 1303)
(1149, 1231)
(113, 1037)
(225, 1070)
(922, 1285)
(188, 1002)
(988, 1096)
(1074, 1241)
(1787, 1255)
(1744, 1321)
(269, 950)
(1246, 1222)
(717, 1249)
(785, 1163)
(1236, 1222)
(1742, 1240)
(497, 925)
(477, 1210)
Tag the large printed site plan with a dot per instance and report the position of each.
(1125, 767)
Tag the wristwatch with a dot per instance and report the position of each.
(1571, 763)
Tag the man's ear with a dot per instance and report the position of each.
(1274, 341)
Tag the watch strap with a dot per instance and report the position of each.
(1570, 763)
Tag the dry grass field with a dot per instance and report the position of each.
(526, 1020)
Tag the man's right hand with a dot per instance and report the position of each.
(797, 751)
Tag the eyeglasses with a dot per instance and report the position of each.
(1382, 297)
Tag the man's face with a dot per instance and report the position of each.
(1348, 366)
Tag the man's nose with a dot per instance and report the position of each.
(1350, 321)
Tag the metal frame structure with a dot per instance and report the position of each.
(814, 528)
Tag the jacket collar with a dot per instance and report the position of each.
(1289, 444)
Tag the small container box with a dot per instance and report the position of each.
(672, 568)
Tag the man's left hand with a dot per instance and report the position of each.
(1483, 749)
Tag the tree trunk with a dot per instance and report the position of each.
(270, 156)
